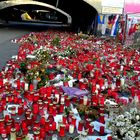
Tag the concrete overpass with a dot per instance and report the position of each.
(83, 12)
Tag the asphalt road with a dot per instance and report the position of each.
(8, 49)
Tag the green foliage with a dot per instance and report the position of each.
(42, 55)
(23, 67)
(38, 72)
(56, 41)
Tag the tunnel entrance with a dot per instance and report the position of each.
(84, 16)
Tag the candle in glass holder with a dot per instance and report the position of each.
(17, 126)
(1, 82)
(13, 110)
(109, 137)
(54, 137)
(13, 134)
(23, 85)
(19, 100)
(57, 97)
(64, 119)
(35, 83)
(102, 129)
(73, 120)
(54, 111)
(80, 126)
(4, 134)
(7, 117)
(2, 123)
(101, 100)
(90, 129)
(98, 139)
(18, 136)
(24, 124)
(26, 86)
(122, 80)
(15, 98)
(58, 126)
(66, 83)
(51, 76)
(67, 101)
(85, 100)
(49, 100)
(79, 76)
(61, 108)
(53, 126)
(71, 128)
(88, 121)
(62, 130)
(36, 97)
(35, 108)
(101, 118)
(82, 85)
(49, 91)
(42, 121)
(50, 109)
(101, 110)
(36, 135)
(74, 99)
(31, 87)
(42, 134)
(18, 84)
(8, 126)
(47, 123)
(62, 99)
(9, 99)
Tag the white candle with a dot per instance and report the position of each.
(121, 68)
(131, 62)
(59, 123)
(122, 81)
(85, 100)
(96, 91)
(97, 86)
(54, 137)
(70, 83)
(13, 134)
(91, 74)
(113, 86)
(26, 87)
(71, 128)
(62, 101)
(57, 96)
(106, 84)
(35, 82)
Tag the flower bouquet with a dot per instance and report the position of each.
(126, 125)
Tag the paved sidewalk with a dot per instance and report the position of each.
(8, 49)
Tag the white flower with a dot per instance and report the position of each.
(130, 134)
(120, 117)
(133, 110)
(128, 115)
(122, 131)
(137, 117)
(120, 123)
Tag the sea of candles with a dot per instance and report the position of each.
(36, 103)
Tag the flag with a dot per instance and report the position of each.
(115, 26)
(101, 19)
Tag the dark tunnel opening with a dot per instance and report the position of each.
(84, 16)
